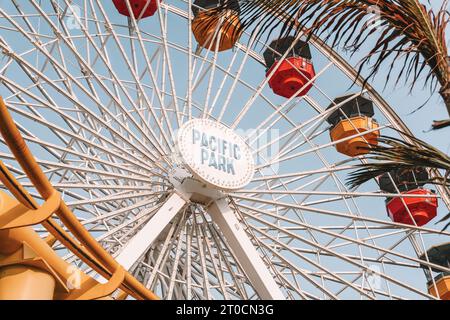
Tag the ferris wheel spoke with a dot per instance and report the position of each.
(69, 76)
(229, 260)
(329, 193)
(209, 111)
(318, 182)
(313, 121)
(258, 92)
(65, 116)
(122, 212)
(163, 254)
(211, 68)
(163, 20)
(280, 158)
(142, 241)
(335, 276)
(328, 232)
(99, 95)
(339, 166)
(382, 258)
(37, 114)
(206, 236)
(128, 195)
(99, 173)
(201, 75)
(289, 145)
(213, 46)
(223, 255)
(94, 160)
(132, 222)
(330, 213)
(54, 44)
(362, 287)
(289, 105)
(297, 271)
(201, 250)
(175, 263)
(313, 149)
(214, 285)
(335, 254)
(92, 186)
(89, 161)
(386, 261)
(153, 79)
(349, 211)
(188, 272)
(190, 59)
(238, 74)
(248, 256)
(106, 61)
(286, 246)
(104, 146)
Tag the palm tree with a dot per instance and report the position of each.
(407, 33)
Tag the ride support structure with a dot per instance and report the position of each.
(29, 267)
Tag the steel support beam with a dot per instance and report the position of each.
(142, 241)
(250, 260)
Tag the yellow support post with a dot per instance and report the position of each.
(19, 282)
(88, 249)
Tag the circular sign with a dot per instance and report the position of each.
(215, 154)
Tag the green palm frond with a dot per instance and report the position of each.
(394, 154)
(409, 33)
(446, 218)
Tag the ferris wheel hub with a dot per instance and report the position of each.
(215, 154)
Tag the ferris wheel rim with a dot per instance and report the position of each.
(373, 92)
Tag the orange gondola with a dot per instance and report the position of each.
(216, 32)
(349, 122)
(438, 255)
(292, 74)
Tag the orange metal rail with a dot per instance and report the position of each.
(87, 249)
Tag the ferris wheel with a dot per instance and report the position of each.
(205, 163)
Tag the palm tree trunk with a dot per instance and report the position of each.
(445, 94)
(445, 90)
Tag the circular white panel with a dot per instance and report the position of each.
(215, 154)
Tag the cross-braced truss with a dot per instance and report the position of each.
(99, 98)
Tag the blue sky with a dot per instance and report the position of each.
(399, 98)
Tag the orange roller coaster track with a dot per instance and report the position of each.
(16, 235)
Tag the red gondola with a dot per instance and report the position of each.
(409, 210)
(422, 209)
(141, 8)
(294, 72)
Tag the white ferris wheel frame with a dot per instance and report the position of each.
(266, 281)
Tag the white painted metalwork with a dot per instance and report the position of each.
(250, 260)
(100, 98)
(142, 241)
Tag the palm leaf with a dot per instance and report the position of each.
(410, 33)
(446, 218)
(394, 154)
